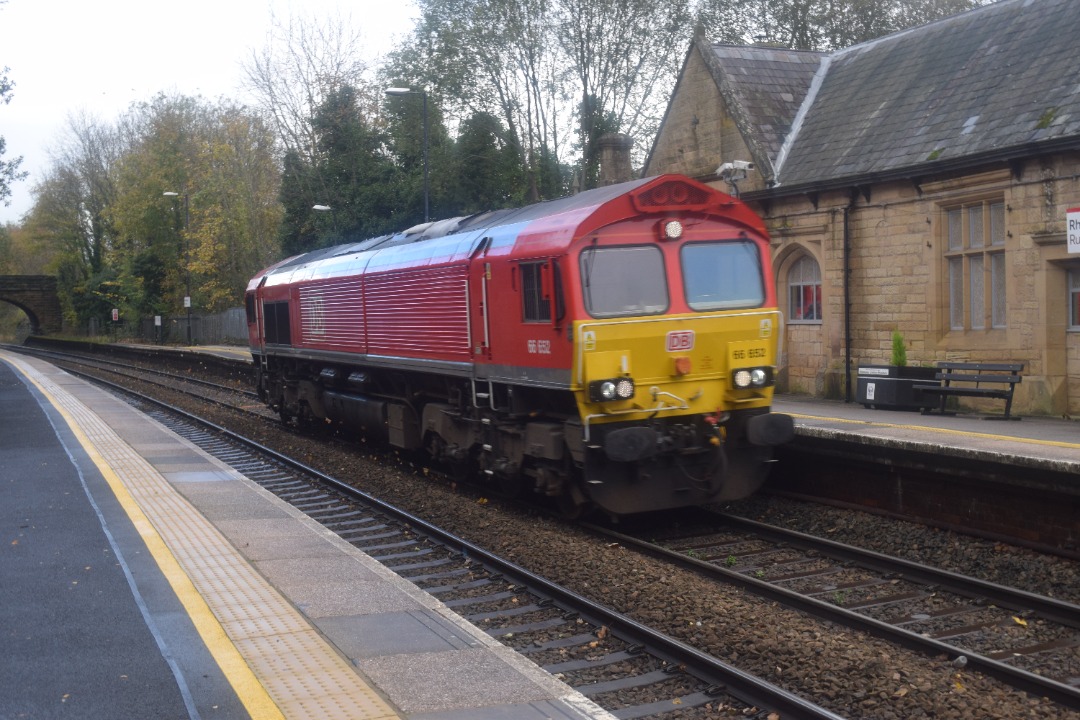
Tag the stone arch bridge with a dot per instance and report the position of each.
(36, 296)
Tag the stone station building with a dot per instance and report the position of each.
(918, 182)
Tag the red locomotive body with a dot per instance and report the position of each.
(614, 349)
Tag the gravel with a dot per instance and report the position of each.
(849, 672)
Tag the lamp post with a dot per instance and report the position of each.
(423, 95)
(187, 261)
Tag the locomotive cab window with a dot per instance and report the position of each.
(535, 306)
(276, 316)
(626, 280)
(723, 275)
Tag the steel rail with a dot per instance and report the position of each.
(1037, 685)
(1059, 611)
(724, 677)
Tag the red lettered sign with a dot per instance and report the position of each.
(680, 340)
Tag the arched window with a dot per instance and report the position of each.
(804, 291)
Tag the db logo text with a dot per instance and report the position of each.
(680, 340)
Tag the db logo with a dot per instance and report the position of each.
(680, 340)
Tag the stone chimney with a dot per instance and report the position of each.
(615, 158)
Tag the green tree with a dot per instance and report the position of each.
(218, 228)
(152, 249)
(497, 56)
(350, 172)
(236, 179)
(70, 214)
(487, 171)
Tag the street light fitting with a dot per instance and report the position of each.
(321, 208)
(401, 91)
(168, 193)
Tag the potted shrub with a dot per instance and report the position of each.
(892, 386)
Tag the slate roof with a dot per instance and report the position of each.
(995, 82)
(763, 88)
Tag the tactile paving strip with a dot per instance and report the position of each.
(300, 672)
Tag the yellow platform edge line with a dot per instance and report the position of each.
(249, 690)
(964, 433)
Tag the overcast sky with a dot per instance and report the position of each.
(66, 56)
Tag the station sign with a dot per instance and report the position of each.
(1072, 222)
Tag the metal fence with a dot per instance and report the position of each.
(223, 328)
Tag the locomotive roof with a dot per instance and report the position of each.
(469, 223)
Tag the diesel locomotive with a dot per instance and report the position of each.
(614, 350)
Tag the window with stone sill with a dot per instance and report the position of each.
(804, 291)
(975, 265)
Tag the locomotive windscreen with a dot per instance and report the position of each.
(626, 280)
(722, 275)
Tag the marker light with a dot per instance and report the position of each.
(671, 230)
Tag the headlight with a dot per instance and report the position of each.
(613, 389)
(607, 390)
(752, 377)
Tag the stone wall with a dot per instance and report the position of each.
(695, 138)
(899, 281)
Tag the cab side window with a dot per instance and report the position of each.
(534, 306)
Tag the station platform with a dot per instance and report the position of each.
(143, 578)
(1034, 442)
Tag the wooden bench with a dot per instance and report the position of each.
(974, 378)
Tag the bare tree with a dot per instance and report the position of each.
(625, 56)
(303, 63)
(819, 24)
(73, 198)
(9, 169)
(498, 57)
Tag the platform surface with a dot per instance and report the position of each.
(1033, 441)
(139, 572)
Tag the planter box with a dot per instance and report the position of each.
(891, 387)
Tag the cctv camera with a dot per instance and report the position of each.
(733, 170)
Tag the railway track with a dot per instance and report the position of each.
(1029, 641)
(493, 601)
(624, 666)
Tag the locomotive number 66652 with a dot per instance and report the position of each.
(612, 350)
